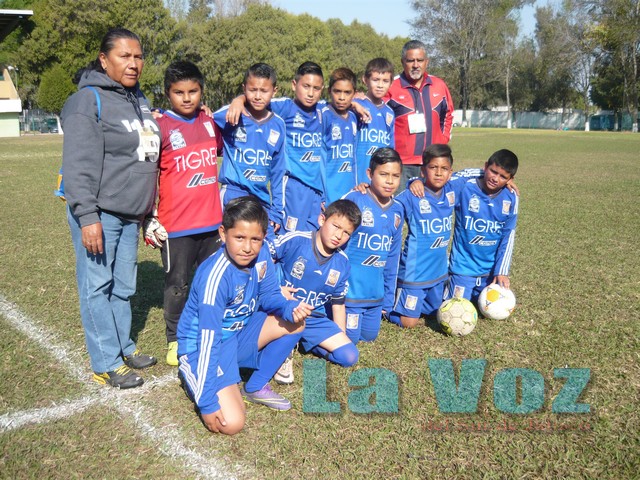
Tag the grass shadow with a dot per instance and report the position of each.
(149, 294)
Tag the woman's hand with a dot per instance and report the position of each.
(92, 238)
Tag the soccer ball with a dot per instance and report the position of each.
(496, 302)
(457, 317)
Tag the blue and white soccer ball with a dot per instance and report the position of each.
(496, 302)
(457, 317)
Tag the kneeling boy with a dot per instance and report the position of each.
(221, 328)
(315, 269)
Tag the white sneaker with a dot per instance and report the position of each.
(284, 375)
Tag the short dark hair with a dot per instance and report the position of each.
(247, 209)
(107, 44)
(182, 70)
(343, 74)
(436, 150)
(344, 208)
(384, 155)
(378, 65)
(308, 68)
(505, 159)
(261, 70)
(413, 45)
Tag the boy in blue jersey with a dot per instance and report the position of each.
(485, 229)
(379, 132)
(254, 147)
(221, 328)
(315, 270)
(303, 186)
(423, 270)
(339, 134)
(374, 248)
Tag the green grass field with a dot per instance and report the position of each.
(576, 275)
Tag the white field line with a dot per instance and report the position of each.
(167, 439)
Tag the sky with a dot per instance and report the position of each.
(385, 16)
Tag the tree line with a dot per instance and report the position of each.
(583, 55)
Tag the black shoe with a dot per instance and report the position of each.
(139, 360)
(122, 377)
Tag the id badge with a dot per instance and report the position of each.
(149, 145)
(417, 123)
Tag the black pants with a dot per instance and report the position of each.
(180, 257)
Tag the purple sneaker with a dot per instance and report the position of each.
(266, 396)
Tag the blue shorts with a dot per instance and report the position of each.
(227, 371)
(302, 206)
(248, 354)
(363, 323)
(415, 301)
(317, 330)
(466, 287)
(229, 192)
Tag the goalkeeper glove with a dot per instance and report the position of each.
(154, 233)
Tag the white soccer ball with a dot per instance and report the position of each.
(457, 317)
(496, 302)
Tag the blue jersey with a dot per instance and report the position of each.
(254, 157)
(305, 155)
(424, 259)
(373, 135)
(223, 297)
(319, 279)
(484, 233)
(339, 139)
(374, 250)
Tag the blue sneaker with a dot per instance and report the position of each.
(266, 396)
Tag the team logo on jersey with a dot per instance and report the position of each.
(336, 133)
(506, 206)
(367, 218)
(239, 295)
(261, 268)
(298, 268)
(332, 279)
(274, 135)
(458, 291)
(298, 121)
(424, 206)
(411, 302)
(451, 197)
(240, 135)
(374, 261)
(389, 119)
(210, 129)
(352, 320)
(371, 151)
(250, 174)
(292, 223)
(177, 140)
(474, 204)
(397, 220)
(219, 372)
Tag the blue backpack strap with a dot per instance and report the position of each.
(59, 192)
(95, 91)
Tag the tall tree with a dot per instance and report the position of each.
(68, 32)
(459, 32)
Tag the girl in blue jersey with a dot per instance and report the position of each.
(374, 248)
(221, 328)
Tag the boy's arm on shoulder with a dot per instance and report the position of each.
(235, 110)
